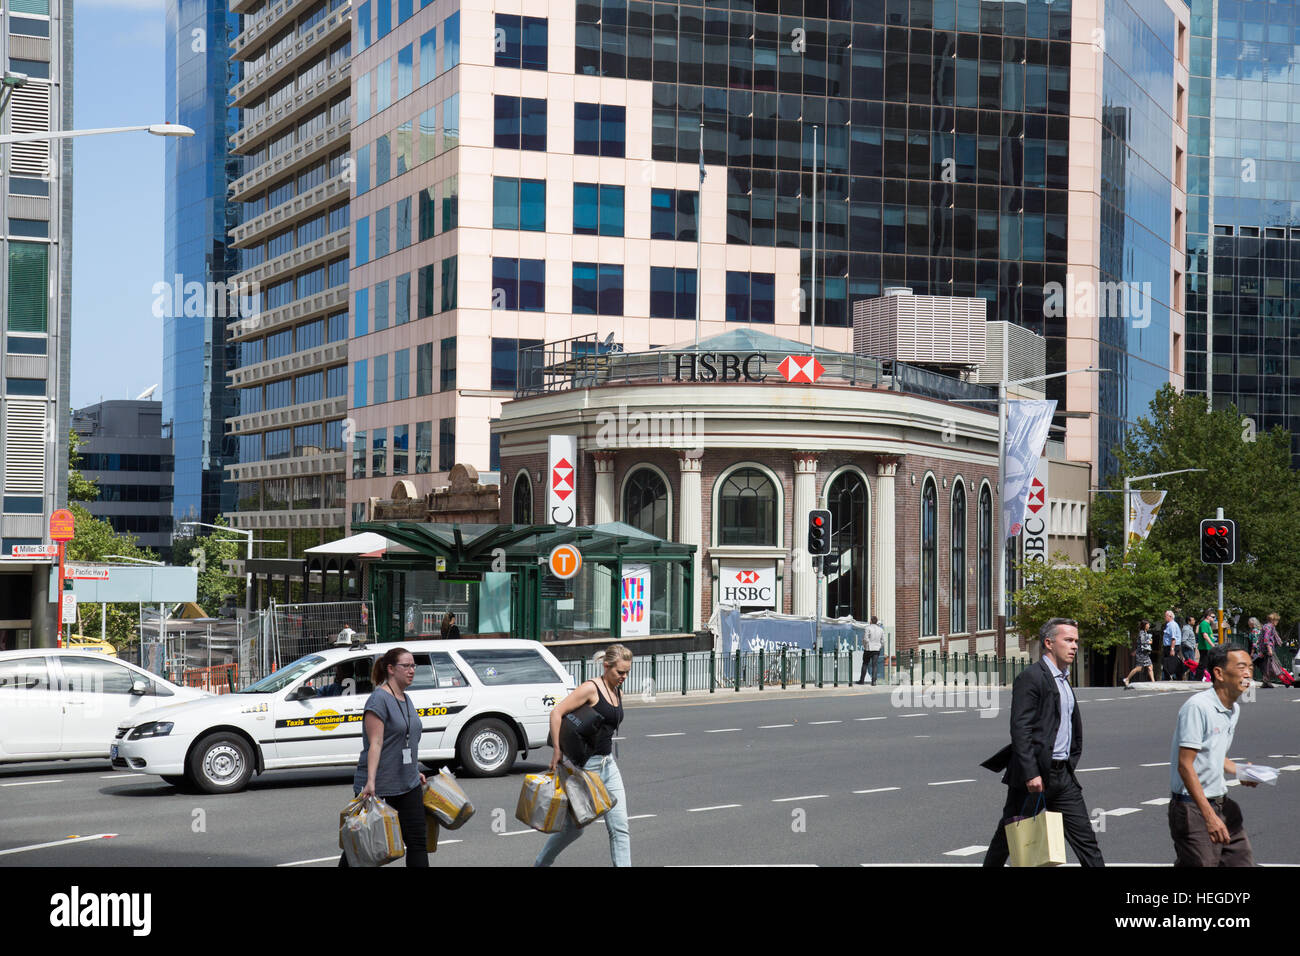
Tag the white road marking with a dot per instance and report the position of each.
(680, 733)
(517, 832)
(620, 738)
(123, 776)
(319, 859)
(952, 711)
(721, 806)
(1157, 802)
(772, 726)
(921, 737)
(1121, 812)
(1292, 766)
(1098, 700)
(811, 796)
(642, 816)
(870, 718)
(1163, 763)
(914, 715)
(42, 846)
(944, 783)
(724, 730)
(1272, 756)
(967, 851)
(877, 790)
(816, 722)
(1094, 769)
(28, 783)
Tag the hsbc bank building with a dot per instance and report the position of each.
(729, 443)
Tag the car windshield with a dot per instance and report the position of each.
(284, 676)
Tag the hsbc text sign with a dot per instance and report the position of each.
(749, 584)
(562, 480)
(742, 367)
(1034, 534)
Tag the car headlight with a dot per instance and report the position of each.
(154, 728)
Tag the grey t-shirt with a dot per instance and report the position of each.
(401, 730)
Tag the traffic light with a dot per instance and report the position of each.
(819, 532)
(1218, 541)
(831, 565)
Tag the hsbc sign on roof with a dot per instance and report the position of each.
(801, 369)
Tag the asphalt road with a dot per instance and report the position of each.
(831, 778)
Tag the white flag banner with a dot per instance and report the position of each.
(1027, 424)
(1142, 509)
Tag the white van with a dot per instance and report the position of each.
(66, 704)
(481, 702)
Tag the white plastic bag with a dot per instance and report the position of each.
(371, 833)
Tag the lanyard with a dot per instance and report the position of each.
(405, 713)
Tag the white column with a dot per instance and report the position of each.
(804, 587)
(690, 528)
(606, 506)
(884, 544)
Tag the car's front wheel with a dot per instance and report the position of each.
(487, 748)
(221, 763)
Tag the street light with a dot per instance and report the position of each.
(157, 129)
(248, 574)
(1003, 385)
(1128, 481)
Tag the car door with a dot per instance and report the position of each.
(518, 681)
(442, 697)
(31, 711)
(325, 728)
(96, 693)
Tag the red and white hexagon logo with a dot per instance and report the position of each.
(746, 577)
(801, 369)
(1037, 497)
(562, 479)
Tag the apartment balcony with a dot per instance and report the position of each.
(242, 6)
(319, 38)
(308, 413)
(308, 360)
(316, 252)
(293, 110)
(293, 160)
(309, 307)
(300, 207)
(277, 15)
(326, 464)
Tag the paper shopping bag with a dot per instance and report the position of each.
(1036, 841)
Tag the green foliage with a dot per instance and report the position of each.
(80, 488)
(208, 552)
(1248, 475)
(93, 542)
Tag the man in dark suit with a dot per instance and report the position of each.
(1046, 743)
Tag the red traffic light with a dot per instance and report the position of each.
(1210, 531)
(817, 520)
(1223, 530)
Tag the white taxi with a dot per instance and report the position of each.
(481, 702)
(65, 704)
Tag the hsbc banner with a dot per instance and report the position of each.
(747, 584)
(1034, 533)
(1027, 424)
(562, 480)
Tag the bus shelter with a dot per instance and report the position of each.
(497, 582)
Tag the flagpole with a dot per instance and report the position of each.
(699, 243)
(813, 331)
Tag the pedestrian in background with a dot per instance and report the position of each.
(1255, 633)
(1143, 654)
(1206, 825)
(1268, 643)
(1189, 639)
(450, 632)
(605, 696)
(1205, 638)
(873, 643)
(389, 765)
(1171, 645)
(1046, 744)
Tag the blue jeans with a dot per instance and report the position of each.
(620, 842)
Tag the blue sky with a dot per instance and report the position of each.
(117, 207)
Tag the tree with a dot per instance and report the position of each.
(94, 541)
(209, 553)
(80, 488)
(1248, 474)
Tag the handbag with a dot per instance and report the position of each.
(579, 730)
(1037, 840)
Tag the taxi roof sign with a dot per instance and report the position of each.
(565, 561)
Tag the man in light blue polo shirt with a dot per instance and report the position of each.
(1206, 826)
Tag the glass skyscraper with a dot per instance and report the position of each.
(197, 258)
(1243, 282)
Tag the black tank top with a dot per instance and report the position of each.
(611, 717)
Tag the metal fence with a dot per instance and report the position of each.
(654, 674)
(299, 629)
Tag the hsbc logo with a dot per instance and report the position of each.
(748, 585)
(747, 577)
(1037, 497)
(562, 479)
(801, 369)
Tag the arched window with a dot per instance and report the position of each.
(847, 593)
(957, 607)
(645, 502)
(523, 499)
(929, 559)
(986, 560)
(747, 509)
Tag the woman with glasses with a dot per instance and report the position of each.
(389, 765)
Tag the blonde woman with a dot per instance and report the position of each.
(605, 697)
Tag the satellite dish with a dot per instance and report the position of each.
(609, 340)
(147, 393)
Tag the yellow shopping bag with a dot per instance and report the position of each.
(542, 803)
(588, 798)
(444, 798)
(1037, 840)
